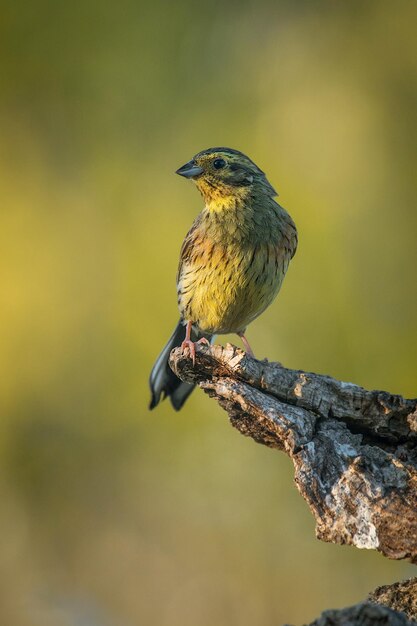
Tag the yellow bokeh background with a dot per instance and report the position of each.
(114, 516)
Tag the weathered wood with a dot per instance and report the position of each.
(365, 614)
(392, 605)
(354, 451)
(401, 596)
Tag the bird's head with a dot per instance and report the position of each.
(224, 175)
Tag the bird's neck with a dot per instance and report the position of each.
(220, 199)
(234, 218)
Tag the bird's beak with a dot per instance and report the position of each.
(190, 170)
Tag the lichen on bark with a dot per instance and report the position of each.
(354, 451)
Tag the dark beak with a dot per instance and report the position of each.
(190, 170)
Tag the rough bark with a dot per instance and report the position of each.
(393, 605)
(354, 451)
(365, 614)
(400, 596)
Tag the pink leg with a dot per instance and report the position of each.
(187, 341)
(246, 344)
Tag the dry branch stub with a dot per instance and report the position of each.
(354, 451)
(392, 605)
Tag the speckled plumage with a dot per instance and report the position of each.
(234, 257)
(232, 266)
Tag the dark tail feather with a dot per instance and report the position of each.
(162, 380)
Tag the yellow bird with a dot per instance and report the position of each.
(232, 262)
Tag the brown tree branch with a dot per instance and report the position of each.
(354, 451)
(393, 605)
(400, 596)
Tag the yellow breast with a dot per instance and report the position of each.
(232, 264)
(223, 288)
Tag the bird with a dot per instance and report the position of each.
(232, 261)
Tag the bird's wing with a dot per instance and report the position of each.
(187, 246)
(289, 234)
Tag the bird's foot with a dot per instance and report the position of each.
(191, 345)
(203, 341)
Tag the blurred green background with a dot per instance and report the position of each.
(114, 516)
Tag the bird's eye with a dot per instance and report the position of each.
(219, 163)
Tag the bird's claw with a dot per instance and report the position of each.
(191, 345)
(203, 341)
